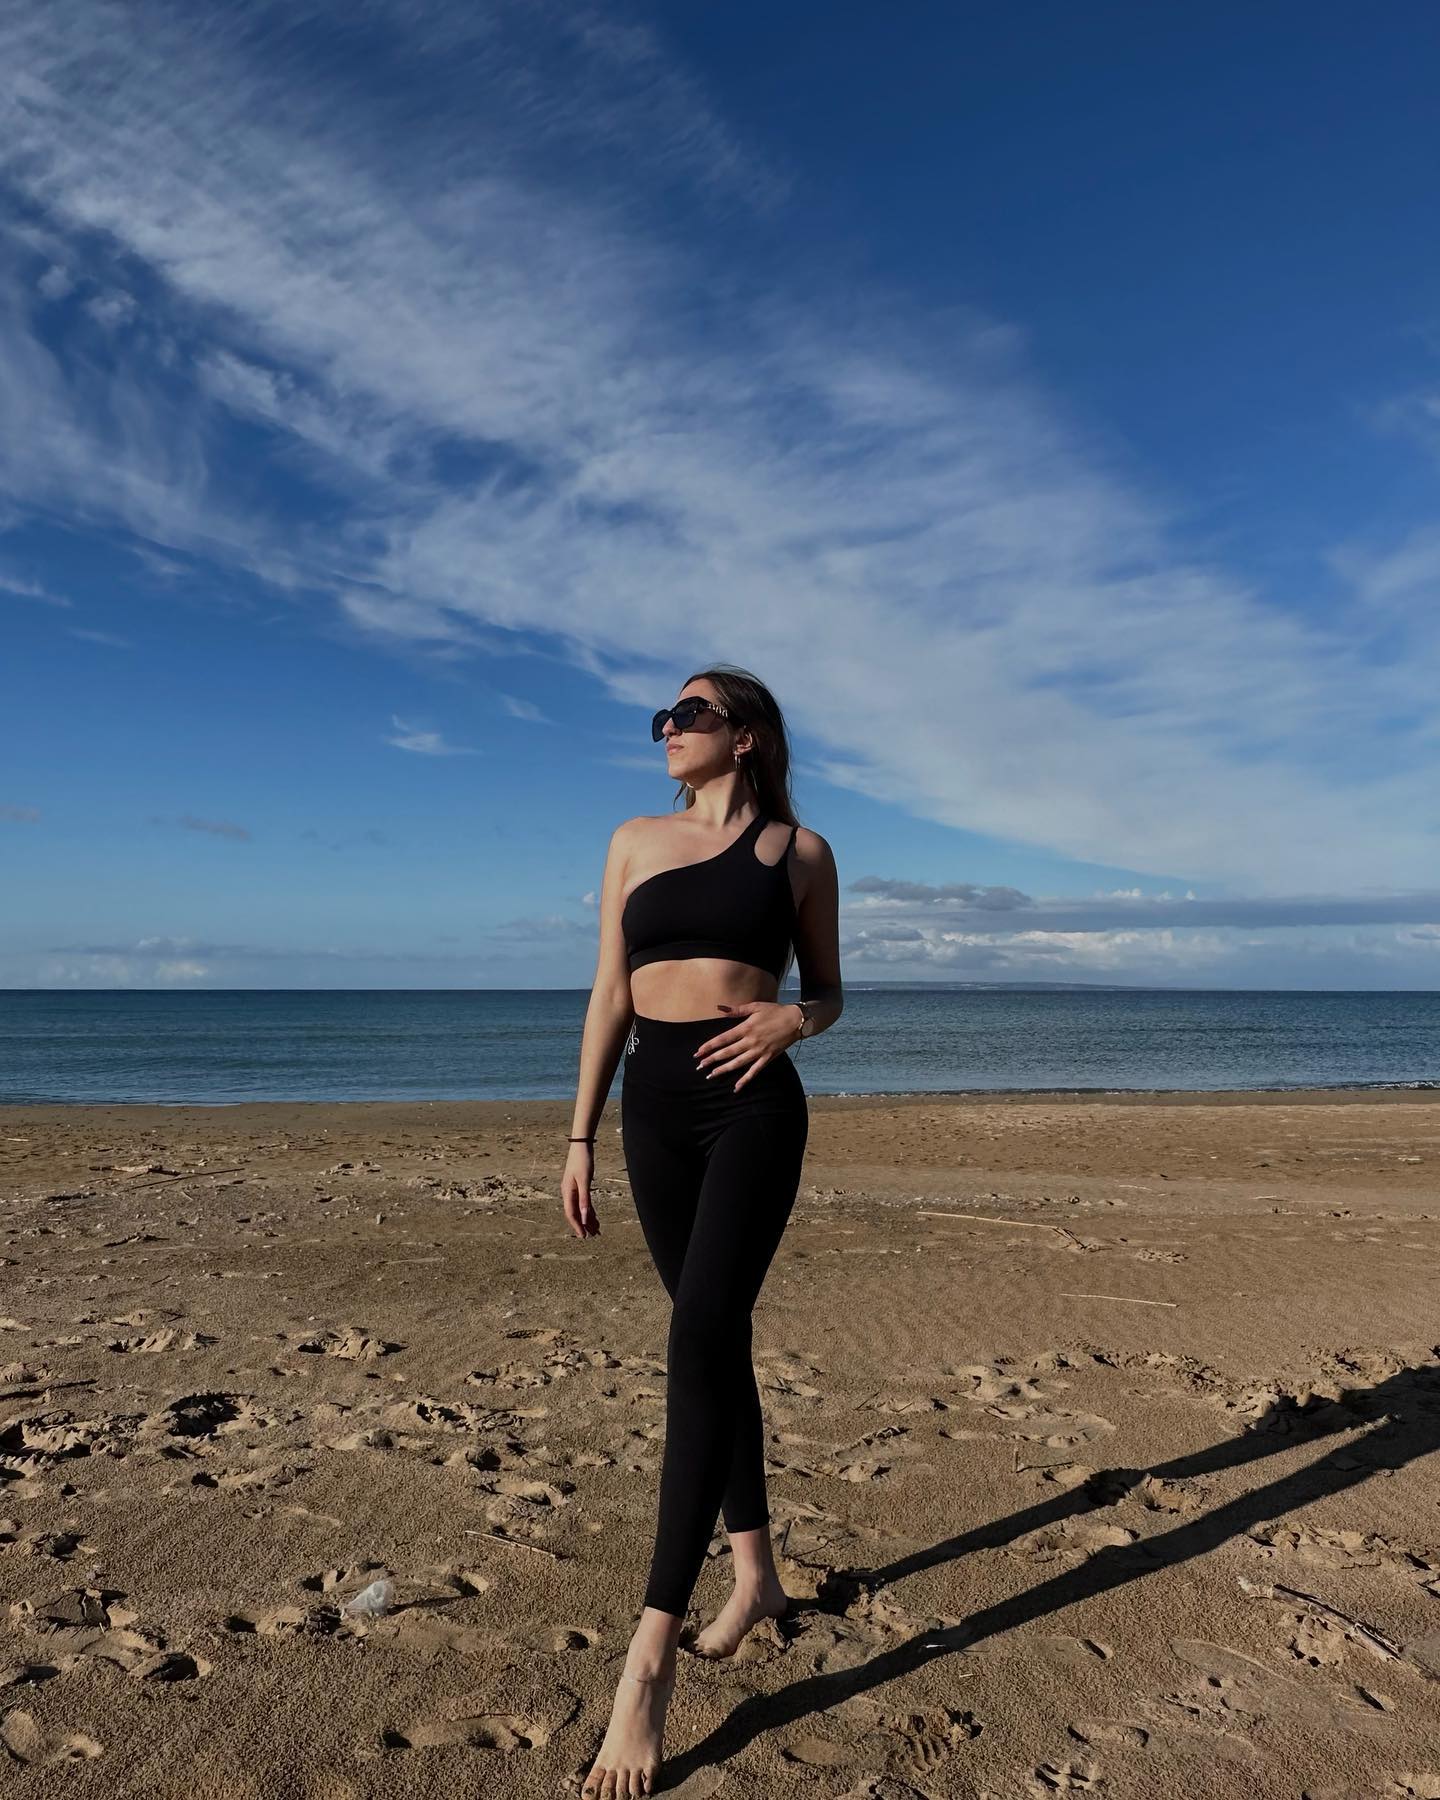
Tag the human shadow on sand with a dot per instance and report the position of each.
(1383, 1428)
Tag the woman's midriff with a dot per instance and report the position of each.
(696, 987)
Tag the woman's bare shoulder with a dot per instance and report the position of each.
(811, 848)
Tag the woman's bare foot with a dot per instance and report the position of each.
(629, 1759)
(745, 1608)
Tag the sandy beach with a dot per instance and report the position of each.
(1101, 1439)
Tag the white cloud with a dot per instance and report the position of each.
(425, 743)
(519, 708)
(24, 589)
(966, 609)
(112, 309)
(99, 637)
(225, 828)
(55, 283)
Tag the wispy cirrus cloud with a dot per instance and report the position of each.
(958, 902)
(224, 828)
(425, 743)
(519, 400)
(371, 837)
(110, 638)
(22, 588)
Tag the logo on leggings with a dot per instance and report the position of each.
(633, 1039)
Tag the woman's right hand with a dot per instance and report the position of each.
(575, 1191)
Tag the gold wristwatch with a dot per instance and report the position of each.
(805, 1015)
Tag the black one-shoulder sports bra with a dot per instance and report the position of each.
(732, 905)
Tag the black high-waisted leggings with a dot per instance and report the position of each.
(714, 1174)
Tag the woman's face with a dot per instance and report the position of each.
(704, 749)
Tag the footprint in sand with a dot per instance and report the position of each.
(816, 1752)
(438, 1415)
(862, 1470)
(1344, 1549)
(1315, 1642)
(288, 1621)
(1054, 1427)
(928, 1740)
(19, 1374)
(160, 1341)
(39, 1441)
(483, 1731)
(529, 1493)
(1122, 1732)
(829, 1646)
(89, 1623)
(509, 1375)
(360, 1574)
(1076, 1538)
(1166, 1496)
(787, 1378)
(885, 1787)
(476, 1730)
(1235, 1694)
(245, 1481)
(62, 1545)
(210, 1415)
(18, 1675)
(1371, 1366)
(28, 1743)
(1082, 1777)
(1063, 1475)
(409, 1614)
(350, 1344)
(994, 1384)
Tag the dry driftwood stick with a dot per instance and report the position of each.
(1121, 1299)
(984, 1219)
(517, 1543)
(1353, 1628)
(179, 1175)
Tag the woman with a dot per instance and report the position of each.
(698, 915)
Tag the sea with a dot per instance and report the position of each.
(220, 1047)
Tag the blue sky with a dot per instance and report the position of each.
(401, 399)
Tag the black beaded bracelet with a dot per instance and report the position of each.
(589, 1140)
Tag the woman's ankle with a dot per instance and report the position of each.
(651, 1652)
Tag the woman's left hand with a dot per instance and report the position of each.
(765, 1028)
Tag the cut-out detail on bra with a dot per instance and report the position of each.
(701, 861)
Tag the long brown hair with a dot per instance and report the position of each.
(766, 767)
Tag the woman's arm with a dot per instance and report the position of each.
(817, 932)
(607, 1021)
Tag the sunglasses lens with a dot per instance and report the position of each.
(657, 724)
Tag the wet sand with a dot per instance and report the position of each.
(1102, 1442)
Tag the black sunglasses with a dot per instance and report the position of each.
(684, 713)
